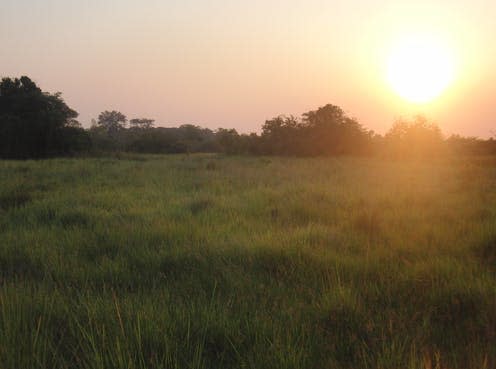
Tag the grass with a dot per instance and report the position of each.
(207, 261)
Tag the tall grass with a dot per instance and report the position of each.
(224, 262)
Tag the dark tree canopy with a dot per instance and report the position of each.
(112, 121)
(228, 140)
(282, 135)
(141, 123)
(35, 124)
(325, 131)
(331, 131)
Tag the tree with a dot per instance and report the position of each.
(325, 131)
(282, 135)
(141, 123)
(112, 121)
(35, 124)
(228, 140)
(330, 131)
(416, 137)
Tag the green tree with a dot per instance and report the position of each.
(36, 124)
(228, 140)
(112, 121)
(141, 123)
(282, 135)
(330, 131)
(325, 131)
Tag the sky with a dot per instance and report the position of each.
(236, 63)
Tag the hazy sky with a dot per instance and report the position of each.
(236, 63)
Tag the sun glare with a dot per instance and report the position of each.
(420, 69)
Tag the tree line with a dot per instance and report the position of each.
(37, 124)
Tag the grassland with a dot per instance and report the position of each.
(225, 262)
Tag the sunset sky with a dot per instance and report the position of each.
(236, 63)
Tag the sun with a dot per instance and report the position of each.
(420, 69)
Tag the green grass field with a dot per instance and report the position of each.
(209, 261)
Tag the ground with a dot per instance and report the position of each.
(209, 261)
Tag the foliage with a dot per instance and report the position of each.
(282, 136)
(141, 123)
(228, 140)
(35, 124)
(331, 132)
(325, 131)
(471, 145)
(414, 138)
(111, 122)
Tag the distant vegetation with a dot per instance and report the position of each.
(35, 124)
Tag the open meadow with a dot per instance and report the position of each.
(211, 261)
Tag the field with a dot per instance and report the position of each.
(207, 261)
